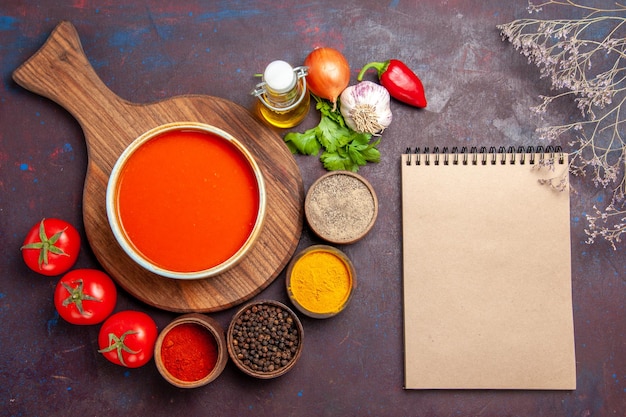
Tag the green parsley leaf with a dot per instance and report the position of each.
(371, 153)
(326, 109)
(343, 148)
(331, 135)
(335, 161)
(305, 143)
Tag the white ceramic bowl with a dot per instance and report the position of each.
(169, 203)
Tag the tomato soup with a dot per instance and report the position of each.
(187, 200)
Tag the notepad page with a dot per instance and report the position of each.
(486, 278)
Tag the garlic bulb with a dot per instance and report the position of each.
(365, 107)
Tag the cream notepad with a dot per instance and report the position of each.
(487, 272)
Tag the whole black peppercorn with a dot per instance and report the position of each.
(265, 338)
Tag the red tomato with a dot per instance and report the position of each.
(127, 338)
(85, 296)
(51, 247)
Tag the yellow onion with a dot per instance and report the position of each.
(328, 73)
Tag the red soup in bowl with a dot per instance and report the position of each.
(186, 200)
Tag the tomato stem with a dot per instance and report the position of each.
(117, 344)
(77, 295)
(46, 245)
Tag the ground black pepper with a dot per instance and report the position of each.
(265, 338)
(340, 207)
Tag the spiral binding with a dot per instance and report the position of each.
(475, 156)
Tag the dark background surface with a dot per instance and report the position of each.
(479, 90)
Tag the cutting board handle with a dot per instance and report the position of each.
(60, 71)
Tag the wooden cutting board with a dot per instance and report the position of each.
(61, 72)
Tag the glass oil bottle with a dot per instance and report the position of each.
(283, 96)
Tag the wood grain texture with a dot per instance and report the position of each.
(61, 72)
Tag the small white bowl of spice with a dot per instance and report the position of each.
(341, 207)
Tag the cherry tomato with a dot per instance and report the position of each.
(85, 296)
(127, 338)
(51, 247)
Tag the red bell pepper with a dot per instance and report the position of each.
(402, 83)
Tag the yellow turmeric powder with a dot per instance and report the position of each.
(321, 282)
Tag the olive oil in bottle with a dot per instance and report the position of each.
(283, 96)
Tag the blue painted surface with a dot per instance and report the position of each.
(7, 23)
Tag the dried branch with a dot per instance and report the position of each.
(584, 60)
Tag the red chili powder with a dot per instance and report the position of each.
(189, 352)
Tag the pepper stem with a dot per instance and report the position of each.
(381, 67)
